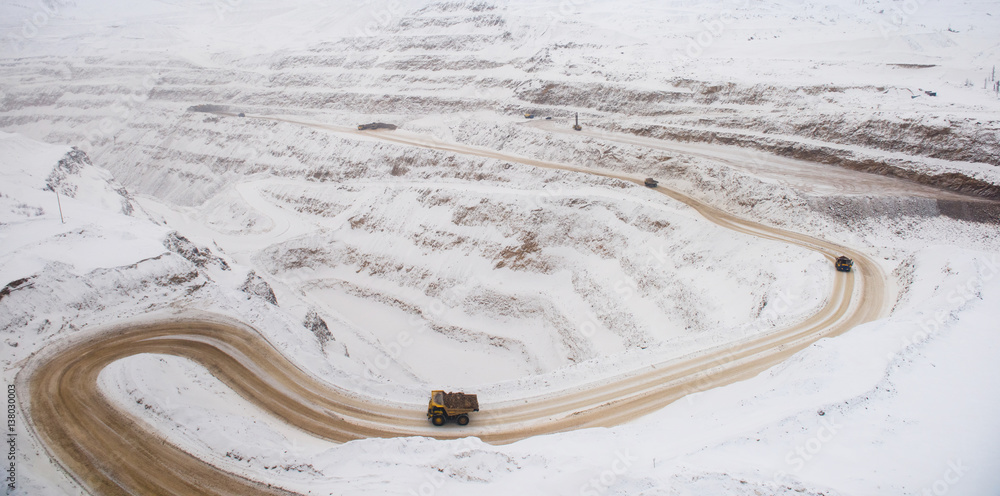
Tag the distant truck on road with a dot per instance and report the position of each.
(650, 182)
(376, 125)
(843, 264)
(451, 406)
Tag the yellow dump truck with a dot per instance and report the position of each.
(451, 406)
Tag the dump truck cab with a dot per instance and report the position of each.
(451, 406)
(843, 264)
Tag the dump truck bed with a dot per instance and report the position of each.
(460, 402)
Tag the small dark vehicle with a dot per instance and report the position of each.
(376, 125)
(843, 264)
(451, 406)
(650, 182)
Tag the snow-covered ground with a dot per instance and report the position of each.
(529, 280)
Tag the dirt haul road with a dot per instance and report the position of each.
(110, 452)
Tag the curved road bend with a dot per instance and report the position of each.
(109, 452)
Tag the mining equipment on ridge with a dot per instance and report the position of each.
(376, 125)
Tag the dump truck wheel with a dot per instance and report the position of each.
(437, 420)
(463, 420)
